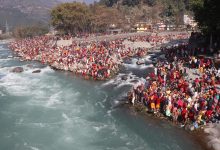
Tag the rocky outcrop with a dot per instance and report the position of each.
(30, 66)
(125, 77)
(17, 70)
(36, 71)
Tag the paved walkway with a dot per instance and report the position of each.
(112, 37)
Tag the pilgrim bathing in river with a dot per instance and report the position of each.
(110, 75)
(171, 89)
(184, 88)
(95, 59)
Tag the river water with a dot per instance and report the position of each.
(56, 110)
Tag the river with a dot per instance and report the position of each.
(55, 110)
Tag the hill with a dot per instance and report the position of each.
(23, 12)
(150, 10)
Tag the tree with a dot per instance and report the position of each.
(103, 17)
(108, 3)
(130, 2)
(71, 17)
(207, 14)
(30, 31)
(150, 2)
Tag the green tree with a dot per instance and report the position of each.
(108, 3)
(30, 31)
(71, 17)
(150, 2)
(207, 14)
(130, 2)
(103, 17)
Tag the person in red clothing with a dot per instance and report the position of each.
(208, 115)
(152, 75)
(152, 103)
(191, 115)
(184, 115)
(158, 99)
(175, 114)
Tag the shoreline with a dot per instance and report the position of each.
(198, 136)
(79, 59)
(98, 126)
(202, 136)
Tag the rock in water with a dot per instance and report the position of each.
(124, 77)
(140, 62)
(36, 71)
(192, 128)
(30, 66)
(17, 70)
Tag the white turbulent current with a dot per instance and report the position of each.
(55, 110)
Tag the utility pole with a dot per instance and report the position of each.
(6, 27)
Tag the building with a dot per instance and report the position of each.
(113, 29)
(189, 21)
(143, 26)
(170, 27)
(1, 32)
(160, 26)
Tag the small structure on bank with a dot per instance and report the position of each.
(160, 26)
(113, 29)
(143, 26)
(189, 21)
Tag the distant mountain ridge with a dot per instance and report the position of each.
(23, 12)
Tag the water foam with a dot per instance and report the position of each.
(30, 147)
(25, 83)
(1, 47)
(2, 94)
(118, 82)
(98, 128)
(134, 65)
(5, 59)
(65, 117)
(54, 100)
(17, 85)
(6, 41)
(45, 70)
(34, 148)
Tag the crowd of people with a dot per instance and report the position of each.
(94, 59)
(184, 88)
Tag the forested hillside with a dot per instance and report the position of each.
(26, 12)
(153, 10)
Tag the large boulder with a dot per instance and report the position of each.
(30, 66)
(36, 71)
(140, 62)
(125, 77)
(17, 70)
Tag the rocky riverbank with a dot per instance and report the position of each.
(93, 59)
(184, 111)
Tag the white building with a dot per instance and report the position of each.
(161, 26)
(143, 26)
(189, 21)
